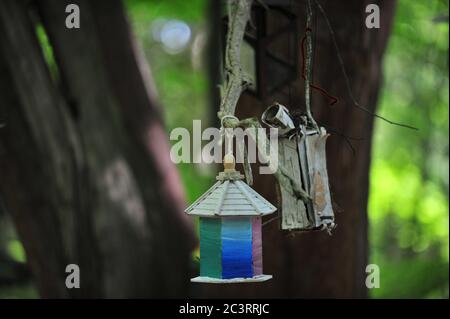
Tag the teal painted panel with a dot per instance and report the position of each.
(210, 247)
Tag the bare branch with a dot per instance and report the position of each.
(238, 16)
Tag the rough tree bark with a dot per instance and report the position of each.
(314, 264)
(84, 158)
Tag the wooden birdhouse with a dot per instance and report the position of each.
(230, 229)
(302, 152)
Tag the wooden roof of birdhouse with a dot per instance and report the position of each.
(230, 196)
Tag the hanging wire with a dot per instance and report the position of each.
(289, 59)
(314, 35)
(333, 99)
(270, 220)
(308, 66)
(346, 138)
(347, 80)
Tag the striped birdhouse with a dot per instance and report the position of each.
(230, 229)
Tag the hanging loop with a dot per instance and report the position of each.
(228, 116)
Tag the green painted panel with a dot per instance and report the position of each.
(210, 247)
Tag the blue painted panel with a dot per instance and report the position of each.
(237, 247)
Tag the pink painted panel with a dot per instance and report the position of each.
(257, 246)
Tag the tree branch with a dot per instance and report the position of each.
(238, 16)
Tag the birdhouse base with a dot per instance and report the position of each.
(211, 280)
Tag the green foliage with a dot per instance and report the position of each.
(143, 11)
(181, 79)
(415, 278)
(19, 292)
(408, 206)
(47, 50)
(16, 251)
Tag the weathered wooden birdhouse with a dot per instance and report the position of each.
(302, 152)
(230, 229)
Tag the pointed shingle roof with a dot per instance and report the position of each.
(230, 196)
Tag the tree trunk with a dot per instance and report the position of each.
(313, 264)
(84, 157)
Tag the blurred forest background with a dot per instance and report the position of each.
(409, 179)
